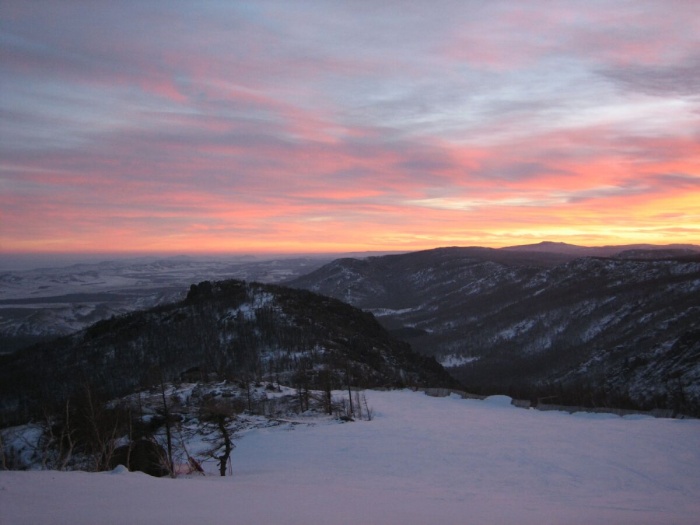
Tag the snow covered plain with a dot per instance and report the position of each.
(58, 300)
(420, 460)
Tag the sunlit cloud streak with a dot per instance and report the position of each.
(305, 126)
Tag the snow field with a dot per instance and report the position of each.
(420, 460)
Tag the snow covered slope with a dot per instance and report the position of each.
(420, 460)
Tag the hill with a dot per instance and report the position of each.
(225, 330)
(622, 330)
(651, 250)
(48, 301)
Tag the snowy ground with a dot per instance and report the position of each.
(420, 460)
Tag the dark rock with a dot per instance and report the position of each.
(142, 455)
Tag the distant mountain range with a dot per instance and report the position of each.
(644, 250)
(609, 325)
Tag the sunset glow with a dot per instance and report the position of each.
(276, 126)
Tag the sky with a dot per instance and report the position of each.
(310, 126)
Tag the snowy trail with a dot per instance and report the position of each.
(421, 460)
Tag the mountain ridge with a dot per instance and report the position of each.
(601, 251)
(540, 323)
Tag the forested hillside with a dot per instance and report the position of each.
(222, 330)
(622, 330)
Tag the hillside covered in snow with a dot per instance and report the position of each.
(544, 321)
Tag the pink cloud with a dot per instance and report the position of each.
(327, 126)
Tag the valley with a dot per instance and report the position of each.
(620, 330)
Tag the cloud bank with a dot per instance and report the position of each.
(278, 126)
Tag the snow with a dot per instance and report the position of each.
(454, 360)
(420, 460)
(384, 312)
(516, 329)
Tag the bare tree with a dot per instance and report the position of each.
(326, 383)
(368, 409)
(225, 457)
(59, 438)
(96, 427)
(358, 404)
(220, 413)
(347, 379)
(168, 433)
(3, 460)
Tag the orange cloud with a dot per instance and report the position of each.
(272, 128)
